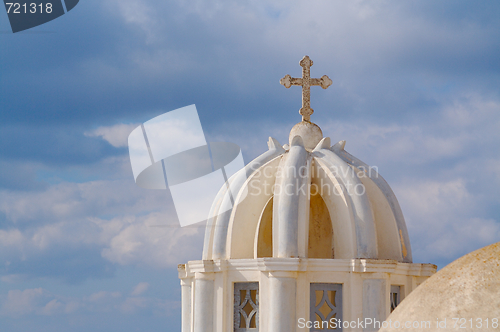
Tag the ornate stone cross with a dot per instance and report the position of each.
(306, 82)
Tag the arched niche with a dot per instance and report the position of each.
(264, 236)
(320, 243)
(320, 234)
(243, 224)
(339, 209)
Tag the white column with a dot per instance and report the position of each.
(282, 302)
(186, 304)
(374, 295)
(291, 203)
(203, 303)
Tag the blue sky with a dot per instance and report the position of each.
(415, 92)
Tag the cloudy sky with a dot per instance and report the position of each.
(415, 92)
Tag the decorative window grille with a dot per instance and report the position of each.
(395, 296)
(246, 307)
(326, 303)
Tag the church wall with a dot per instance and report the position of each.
(284, 289)
(282, 301)
(231, 277)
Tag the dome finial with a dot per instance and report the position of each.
(306, 82)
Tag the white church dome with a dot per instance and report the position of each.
(303, 235)
(463, 295)
(308, 199)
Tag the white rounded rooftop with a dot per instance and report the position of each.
(307, 200)
(467, 288)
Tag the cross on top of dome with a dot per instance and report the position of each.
(306, 82)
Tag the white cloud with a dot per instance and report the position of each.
(19, 303)
(11, 238)
(136, 12)
(38, 301)
(116, 135)
(132, 304)
(103, 296)
(442, 219)
(65, 201)
(352, 39)
(149, 242)
(12, 278)
(51, 308)
(140, 288)
(128, 224)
